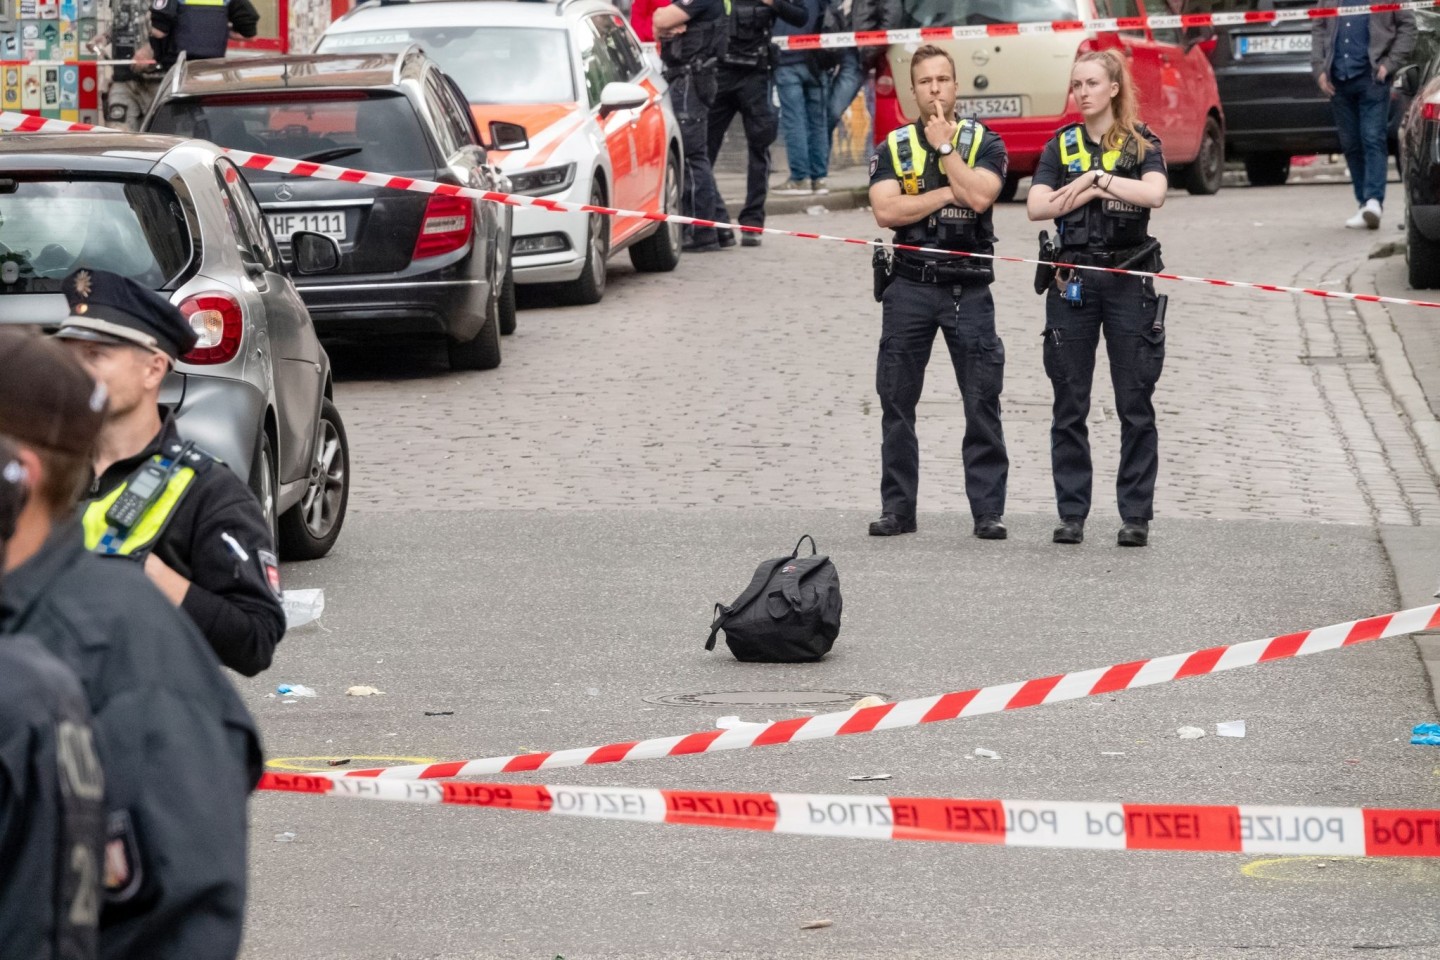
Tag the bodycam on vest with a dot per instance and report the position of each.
(953, 227)
(698, 49)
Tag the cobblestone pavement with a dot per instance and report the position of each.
(746, 378)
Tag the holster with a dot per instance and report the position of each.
(1145, 258)
(881, 264)
(1045, 271)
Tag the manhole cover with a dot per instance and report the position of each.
(760, 698)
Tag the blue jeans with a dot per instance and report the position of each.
(804, 107)
(848, 80)
(1362, 114)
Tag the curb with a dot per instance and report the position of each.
(842, 198)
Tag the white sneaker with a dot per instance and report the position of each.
(1371, 214)
(1357, 222)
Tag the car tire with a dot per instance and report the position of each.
(263, 480)
(1422, 257)
(507, 302)
(481, 352)
(1204, 176)
(1267, 169)
(660, 252)
(1008, 190)
(310, 528)
(590, 287)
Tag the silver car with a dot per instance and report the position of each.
(177, 216)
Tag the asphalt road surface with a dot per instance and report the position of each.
(534, 551)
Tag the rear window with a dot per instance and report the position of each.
(376, 134)
(491, 64)
(967, 13)
(49, 228)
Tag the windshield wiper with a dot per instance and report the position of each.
(334, 153)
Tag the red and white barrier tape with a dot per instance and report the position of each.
(947, 706)
(21, 123)
(877, 38)
(1322, 831)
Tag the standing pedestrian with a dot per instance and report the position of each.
(934, 182)
(692, 35)
(180, 752)
(1099, 179)
(197, 530)
(803, 83)
(858, 63)
(1354, 59)
(200, 29)
(743, 87)
(52, 791)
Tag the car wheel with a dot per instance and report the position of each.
(1203, 177)
(660, 252)
(507, 302)
(1009, 189)
(481, 352)
(262, 480)
(309, 529)
(1422, 257)
(1267, 169)
(590, 287)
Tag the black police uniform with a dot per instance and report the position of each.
(1103, 233)
(930, 291)
(211, 529)
(743, 86)
(690, 62)
(200, 29)
(52, 809)
(180, 752)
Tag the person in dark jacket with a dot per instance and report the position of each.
(180, 752)
(857, 63)
(200, 29)
(52, 790)
(209, 548)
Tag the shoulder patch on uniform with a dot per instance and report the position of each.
(874, 163)
(270, 568)
(124, 870)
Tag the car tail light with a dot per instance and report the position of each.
(446, 226)
(1431, 110)
(217, 318)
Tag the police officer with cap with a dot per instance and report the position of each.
(200, 29)
(52, 790)
(693, 35)
(933, 182)
(1099, 179)
(181, 754)
(743, 87)
(161, 501)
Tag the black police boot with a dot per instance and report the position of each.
(1134, 533)
(990, 527)
(690, 246)
(1071, 530)
(726, 237)
(891, 524)
(750, 240)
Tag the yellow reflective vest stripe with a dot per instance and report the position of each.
(911, 168)
(150, 525)
(1072, 148)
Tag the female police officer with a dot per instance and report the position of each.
(1099, 180)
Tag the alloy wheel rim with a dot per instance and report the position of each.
(267, 489)
(672, 204)
(599, 248)
(321, 506)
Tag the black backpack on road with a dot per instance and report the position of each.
(790, 613)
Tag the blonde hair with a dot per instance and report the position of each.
(1124, 106)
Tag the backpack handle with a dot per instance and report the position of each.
(813, 549)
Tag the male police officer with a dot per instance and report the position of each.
(743, 87)
(197, 529)
(693, 36)
(181, 753)
(52, 792)
(934, 182)
(200, 29)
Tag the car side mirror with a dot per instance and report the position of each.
(619, 96)
(507, 136)
(1203, 37)
(1408, 79)
(314, 253)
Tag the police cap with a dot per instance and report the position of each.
(108, 308)
(47, 400)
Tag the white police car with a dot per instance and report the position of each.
(593, 104)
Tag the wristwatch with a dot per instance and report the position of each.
(945, 149)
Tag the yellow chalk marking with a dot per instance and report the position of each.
(1338, 869)
(304, 764)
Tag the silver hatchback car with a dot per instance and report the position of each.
(177, 216)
